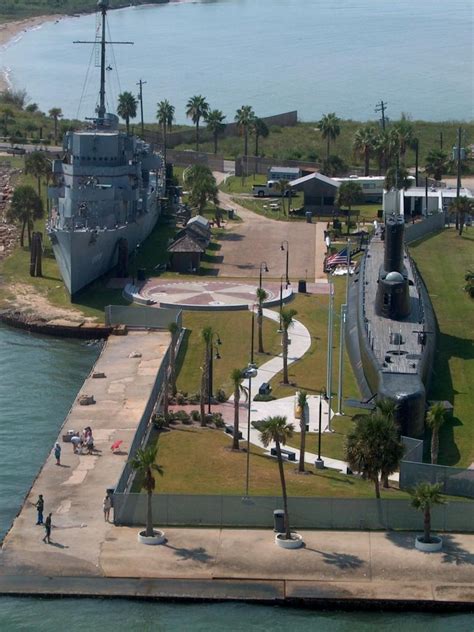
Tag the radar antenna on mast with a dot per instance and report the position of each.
(102, 5)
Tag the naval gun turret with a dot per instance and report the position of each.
(393, 296)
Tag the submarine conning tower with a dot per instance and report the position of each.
(393, 298)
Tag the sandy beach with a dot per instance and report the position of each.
(10, 30)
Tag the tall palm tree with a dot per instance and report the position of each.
(302, 404)
(207, 335)
(283, 187)
(364, 145)
(373, 447)
(127, 107)
(260, 130)
(202, 184)
(286, 322)
(144, 463)
(423, 497)
(37, 165)
(244, 118)
(435, 418)
(437, 163)
(261, 298)
(404, 133)
(397, 178)
(348, 194)
(55, 114)
(237, 376)
(214, 121)
(383, 150)
(197, 108)
(165, 116)
(25, 207)
(174, 330)
(330, 128)
(462, 206)
(277, 430)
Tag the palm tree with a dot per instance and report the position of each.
(302, 404)
(462, 206)
(348, 193)
(423, 497)
(283, 187)
(403, 132)
(364, 145)
(200, 180)
(261, 298)
(37, 165)
(330, 128)
(144, 463)
(197, 108)
(174, 330)
(286, 322)
(397, 178)
(435, 418)
(277, 430)
(387, 408)
(383, 149)
(374, 448)
(207, 335)
(244, 118)
(55, 114)
(127, 107)
(214, 121)
(165, 116)
(260, 129)
(237, 376)
(25, 207)
(437, 163)
(8, 117)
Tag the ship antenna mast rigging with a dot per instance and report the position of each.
(102, 5)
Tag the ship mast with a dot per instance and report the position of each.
(102, 5)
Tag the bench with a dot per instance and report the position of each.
(290, 455)
(230, 430)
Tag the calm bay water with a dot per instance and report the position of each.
(39, 378)
(277, 55)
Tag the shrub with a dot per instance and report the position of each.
(221, 396)
(258, 425)
(182, 415)
(193, 398)
(263, 398)
(180, 399)
(160, 421)
(218, 420)
(195, 415)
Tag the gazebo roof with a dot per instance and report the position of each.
(186, 243)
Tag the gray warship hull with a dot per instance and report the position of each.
(85, 255)
(392, 358)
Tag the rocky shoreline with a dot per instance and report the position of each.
(59, 327)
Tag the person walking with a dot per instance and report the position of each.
(107, 506)
(40, 508)
(57, 453)
(47, 526)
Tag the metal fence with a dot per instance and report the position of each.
(429, 224)
(456, 481)
(305, 513)
(148, 317)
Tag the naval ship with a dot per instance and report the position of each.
(106, 193)
(391, 328)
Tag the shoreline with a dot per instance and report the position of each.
(9, 31)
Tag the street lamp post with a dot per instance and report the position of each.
(213, 346)
(263, 268)
(319, 463)
(281, 300)
(286, 247)
(250, 372)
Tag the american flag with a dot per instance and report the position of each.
(339, 258)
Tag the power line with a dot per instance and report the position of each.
(381, 107)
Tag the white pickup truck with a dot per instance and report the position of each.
(267, 190)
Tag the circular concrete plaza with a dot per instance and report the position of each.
(210, 294)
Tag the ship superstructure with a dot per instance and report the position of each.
(391, 328)
(106, 195)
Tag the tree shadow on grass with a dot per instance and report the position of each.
(344, 561)
(183, 349)
(231, 237)
(454, 553)
(198, 554)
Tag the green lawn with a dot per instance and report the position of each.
(332, 443)
(198, 460)
(234, 329)
(443, 260)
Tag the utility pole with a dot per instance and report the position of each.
(381, 107)
(417, 153)
(458, 184)
(140, 97)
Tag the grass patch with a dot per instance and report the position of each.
(332, 443)
(234, 330)
(198, 460)
(453, 371)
